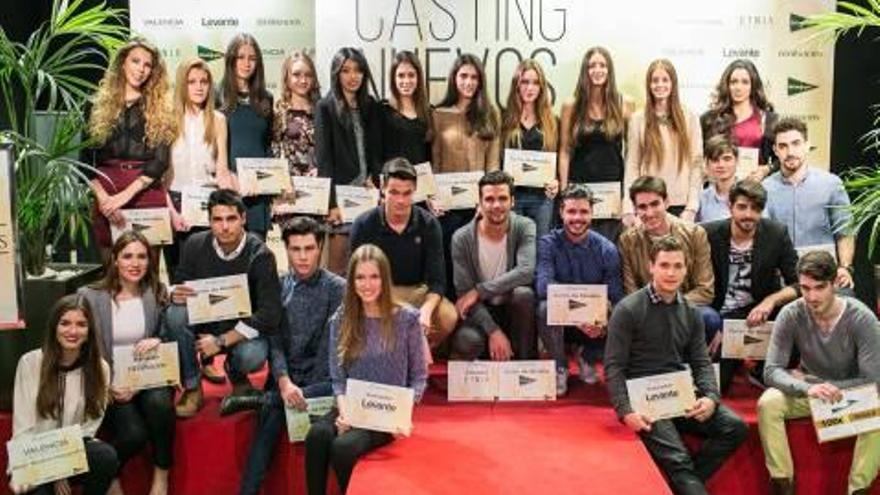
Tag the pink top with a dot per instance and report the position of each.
(749, 133)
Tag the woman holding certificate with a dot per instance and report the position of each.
(529, 124)
(372, 338)
(62, 384)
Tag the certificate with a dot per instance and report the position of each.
(379, 407)
(530, 168)
(276, 244)
(194, 205)
(571, 305)
(747, 162)
(858, 412)
(153, 223)
(608, 201)
(300, 422)
(311, 196)
(157, 368)
(668, 395)
(218, 299)
(828, 248)
(458, 190)
(425, 183)
(355, 200)
(527, 380)
(258, 176)
(472, 381)
(744, 342)
(49, 456)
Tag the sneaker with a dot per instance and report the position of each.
(587, 373)
(190, 403)
(561, 382)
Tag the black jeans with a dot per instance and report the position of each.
(515, 316)
(103, 467)
(148, 416)
(722, 433)
(325, 448)
(451, 221)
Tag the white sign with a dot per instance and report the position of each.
(458, 190)
(858, 412)
(153, 223)
(747, 161)
(194, 205)
(530, 168)
(379, 407)
(276, 244)
(219, 299)
(472, 381)
(311, 196)
(48, 456)
(263, 176)
(425, 184)
(608, 203)
(157, 368)
(572, 305)
(501, 380)
(664, 396)
(300, 422)
(354, 201)
(743, 342)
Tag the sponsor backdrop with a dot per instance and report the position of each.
(699, 37)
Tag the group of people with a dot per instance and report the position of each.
(423, 282)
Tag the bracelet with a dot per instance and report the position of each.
(849, 268)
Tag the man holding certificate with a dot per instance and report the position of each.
(224, 251)
(575, 254)
(655, 331)
(838, 338)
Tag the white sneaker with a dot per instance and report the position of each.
(587, 373)
(561, 382)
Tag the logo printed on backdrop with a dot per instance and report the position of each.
(796, 86)
(159, 22)
(219, 22)
(740, 52)
(208, 54)
(796, 22)
(276, 22)
(755, 21)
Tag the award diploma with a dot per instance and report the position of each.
(572, 305)
(472, 381)
(425, 183)
(218, 299)
(300, 422)
(379, 407)
(668, 395)
(744, 342)
(194, 205)
(457, 190)
(49, 456)
(157, 368)
(530, 168)
(153, 223)
(311, 196)
(259, 176)
(858, 412)
(501, 380)
(355, 200)
(608, 202)
(747, 161)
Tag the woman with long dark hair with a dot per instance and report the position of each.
(406, 117)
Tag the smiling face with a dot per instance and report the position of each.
(745, 214)
(368, 282)
(351, 76)
(72, 330)
(198, 84)
(495, 203)
(406, 80)
(245, 62)
(597, 69)
(137, 67)
(576, 216)
(467, 81)
(660, 84)
(651, 210)
(740, 86)
(529, 87)
(132, 262)
(300, 79)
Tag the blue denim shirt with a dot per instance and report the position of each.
(711, 206)
(595, 260)
(812, 210)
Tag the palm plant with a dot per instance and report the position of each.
(49, 73)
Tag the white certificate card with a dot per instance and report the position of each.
(379, 407)
(668, 395)
(530, 168)
(219, 299)
(355, 200)
(259, 176)
(744, 342)
(46, 457)
(608, 200)
(311, 195)
(458, 190)
(153, 223)
(858, 412)
(572, 305)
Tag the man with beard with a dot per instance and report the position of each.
(575, 254)
(838, 338)
(748, 254)
(493, 259)
(810, 202)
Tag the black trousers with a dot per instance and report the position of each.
(722, 433)
(325, 448)
(515, 316)
(148, 416)
(103, 466)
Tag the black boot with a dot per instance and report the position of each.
(782, 486)
(232, 404)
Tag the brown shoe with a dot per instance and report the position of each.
(210, 373)
(782, 486)
(190, 403)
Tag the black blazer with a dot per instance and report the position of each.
(773, 255)
(335, 148)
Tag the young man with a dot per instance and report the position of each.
(493, 259)
(809, 201)
(225, 249)
(412, 240)
(655, 330)
(575, 254)
(298, 351)
(838, 338)
(648, 195)
(749, 253)
(721, 163)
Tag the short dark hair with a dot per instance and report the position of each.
(718, 145)
(495, 178)
(752, 190)
(786, 124)
(302, 225)
(647, 183)
(399, 168)
(577, 191)
(818, 265)
(226, 197)
(667, 243)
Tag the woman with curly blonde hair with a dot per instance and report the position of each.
(132, 126)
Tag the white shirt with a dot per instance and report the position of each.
(129, 325)
(192, 159)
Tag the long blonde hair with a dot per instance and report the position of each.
(109, 100)
(614, 122)
(652, 143)
(511, 134)
(352, 337)
(182, 103)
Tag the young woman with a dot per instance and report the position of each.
(248, 109)
(62, 384)
(592, 131)
(127, 305)
(741, 111)
(372, 338)
(198, 155)
(665, 140)
(529, 124)
(133, 127)
(348, 140)
(406, 118)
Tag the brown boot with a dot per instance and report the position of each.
(210, 373)
(782, 486)
(190, 403)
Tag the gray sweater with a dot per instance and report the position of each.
(849, 357)
(466, 266)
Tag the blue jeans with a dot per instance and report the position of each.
(533, 203)
(245, 357)
(554, 338)
(272, 421)
(711, 321)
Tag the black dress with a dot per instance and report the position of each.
(403, 137)
(596, 158)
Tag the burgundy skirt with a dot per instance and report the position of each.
(117, 175)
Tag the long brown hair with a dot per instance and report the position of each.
(652, 144)
(182, 103)
(481, 114)
(614, 122)
(511, 133)
(721, 109)
(420, 95)
(259, 98)
(150, 281)
(286, 92)
(95, 387)
(351, 326)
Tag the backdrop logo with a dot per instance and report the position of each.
(755, 21)
(155, 22)
(208, 54)
(796, 22)
(273, 52)
(274, 21)
(796, 87)
(740, 52)
(219, 22)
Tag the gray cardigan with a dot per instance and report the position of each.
(102, 311)
(466, 266)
